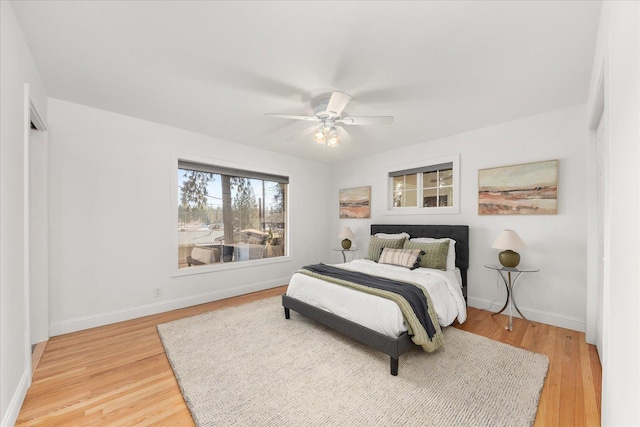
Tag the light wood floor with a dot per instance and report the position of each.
(119, 375)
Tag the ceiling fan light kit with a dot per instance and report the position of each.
(327, 134)
(329, 113)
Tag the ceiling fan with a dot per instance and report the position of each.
(329, 115)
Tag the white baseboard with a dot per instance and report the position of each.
(13, 410)
(553, 319)
(87, 322)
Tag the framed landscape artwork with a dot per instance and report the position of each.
(530, 188)
(355, 202)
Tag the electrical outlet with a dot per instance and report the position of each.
(157, 292)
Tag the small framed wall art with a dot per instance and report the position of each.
(530, 188)
(355, 202)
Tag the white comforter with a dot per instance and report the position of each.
(378, 313)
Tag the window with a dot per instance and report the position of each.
(228, 215)
(405, 190)
(431, 188)
(437, 187)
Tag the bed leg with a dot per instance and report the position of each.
(287, 315)
(394, 366)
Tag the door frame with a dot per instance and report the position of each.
(31, 115)
(596, 288)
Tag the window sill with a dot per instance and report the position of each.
(224, 266)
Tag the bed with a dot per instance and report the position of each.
(392, 339)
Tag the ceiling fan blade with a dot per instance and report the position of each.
(304, 132)
(344, 135)
(292, 117)
(338, 101)
(367, 120)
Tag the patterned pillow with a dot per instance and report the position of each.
(435, 253)
(409, 258)
(376, 244)
(451, 256)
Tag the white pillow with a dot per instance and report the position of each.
(451, 255)
(392, 236)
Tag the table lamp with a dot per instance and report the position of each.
(508, 240)
(346, 235)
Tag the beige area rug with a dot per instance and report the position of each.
(248, 366)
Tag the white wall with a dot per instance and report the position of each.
(17, 69)
(618, 54)
(556, 243)
(110, 184)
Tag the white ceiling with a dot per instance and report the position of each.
(440, 68)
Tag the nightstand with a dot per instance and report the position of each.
(345, 252)
(509, 283)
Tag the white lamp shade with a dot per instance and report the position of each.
(346, 233)
(508, 239)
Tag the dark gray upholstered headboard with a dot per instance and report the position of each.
(459, 233)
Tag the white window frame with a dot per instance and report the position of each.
(175, 271)
(454, 159)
